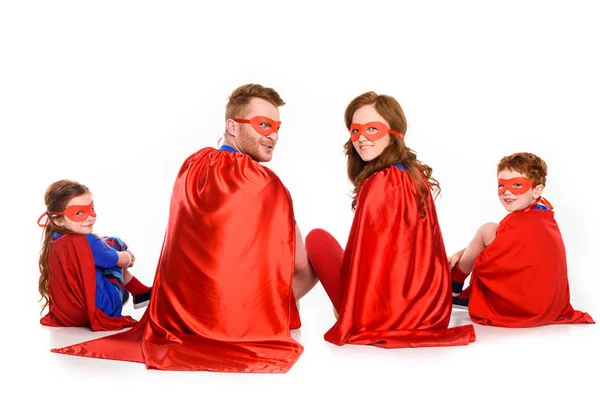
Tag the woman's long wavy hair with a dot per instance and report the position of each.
(395, 152)
(57, 197)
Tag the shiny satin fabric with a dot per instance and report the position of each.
(222, 296)
(72, 288)
(520, 279)
(395, 274)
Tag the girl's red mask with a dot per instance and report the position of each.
(74, 213)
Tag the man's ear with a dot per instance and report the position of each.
(232, 127)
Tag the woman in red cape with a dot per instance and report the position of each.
(391, 285)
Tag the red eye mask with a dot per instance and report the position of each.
(372, 131)
(74, 213)
(263, 125)
(515, 185)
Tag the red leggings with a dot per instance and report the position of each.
(325, 255)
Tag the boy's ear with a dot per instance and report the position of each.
(537, 191)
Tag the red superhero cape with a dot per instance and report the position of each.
(520, 279)
(222, 296)
(395, 275)
(72, 288)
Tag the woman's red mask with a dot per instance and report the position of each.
(74, 213)
(372, 131)
(515, 185)
(263, 125)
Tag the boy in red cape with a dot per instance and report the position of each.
(391, 285)
(232, 263)
(519, 267)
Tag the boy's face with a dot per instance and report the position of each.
(515, 202)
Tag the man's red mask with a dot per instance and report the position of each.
(263, 125)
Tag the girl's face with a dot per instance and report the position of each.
(79, 216)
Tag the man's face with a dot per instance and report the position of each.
(259, 147)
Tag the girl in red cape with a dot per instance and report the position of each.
(518, 268)
(84, 278)
(391, 285)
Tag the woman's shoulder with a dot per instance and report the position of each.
(391, 178)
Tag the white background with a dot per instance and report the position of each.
(116, 94)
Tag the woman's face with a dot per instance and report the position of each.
(366, 148)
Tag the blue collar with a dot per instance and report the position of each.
(228, 148)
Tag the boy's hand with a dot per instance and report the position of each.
(453, 260)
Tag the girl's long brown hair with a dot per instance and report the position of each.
(57, 197)
(395, 152)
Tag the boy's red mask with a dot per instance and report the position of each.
(371, 130)
(515, 185)
(263, 125)
(74, 213)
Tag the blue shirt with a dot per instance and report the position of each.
(228, 148)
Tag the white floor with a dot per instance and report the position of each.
(515, 363)
(144, 84)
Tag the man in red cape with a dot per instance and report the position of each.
(232, 264)
(519, 267)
